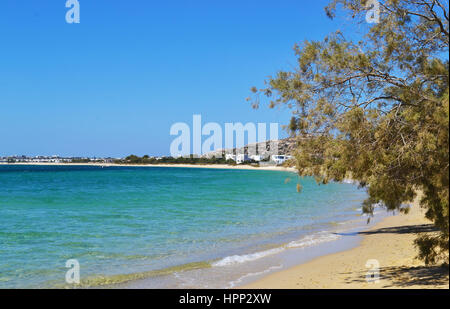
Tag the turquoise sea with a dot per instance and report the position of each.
(125, 224)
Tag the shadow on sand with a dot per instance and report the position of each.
(403, 276)
(406, 229)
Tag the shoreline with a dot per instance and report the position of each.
(240, 268)
(390, 242)
(210, 166)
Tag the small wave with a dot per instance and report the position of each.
(311, 240)
(238, 259)
(350, 181)
(235, 283)
(306, 241)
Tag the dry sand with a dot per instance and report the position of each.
(390, 242)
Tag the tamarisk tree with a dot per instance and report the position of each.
(376, 110)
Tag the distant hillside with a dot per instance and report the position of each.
(285, 147)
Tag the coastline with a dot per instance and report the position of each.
(210, 166)
(390, 242)
(336, 264)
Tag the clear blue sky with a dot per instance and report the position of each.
(115, 83)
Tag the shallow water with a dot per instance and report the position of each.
(130, 223)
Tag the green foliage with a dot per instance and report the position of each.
(85, 160)
(377, 110)
(293, 126)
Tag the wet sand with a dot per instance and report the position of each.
(390, 243)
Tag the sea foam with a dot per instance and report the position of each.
(306, 241)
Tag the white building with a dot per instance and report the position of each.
(258, 158)
(241, 158)
(280, 159)
(230, 156)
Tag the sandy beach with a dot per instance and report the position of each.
(215, 166)
(390, 242)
